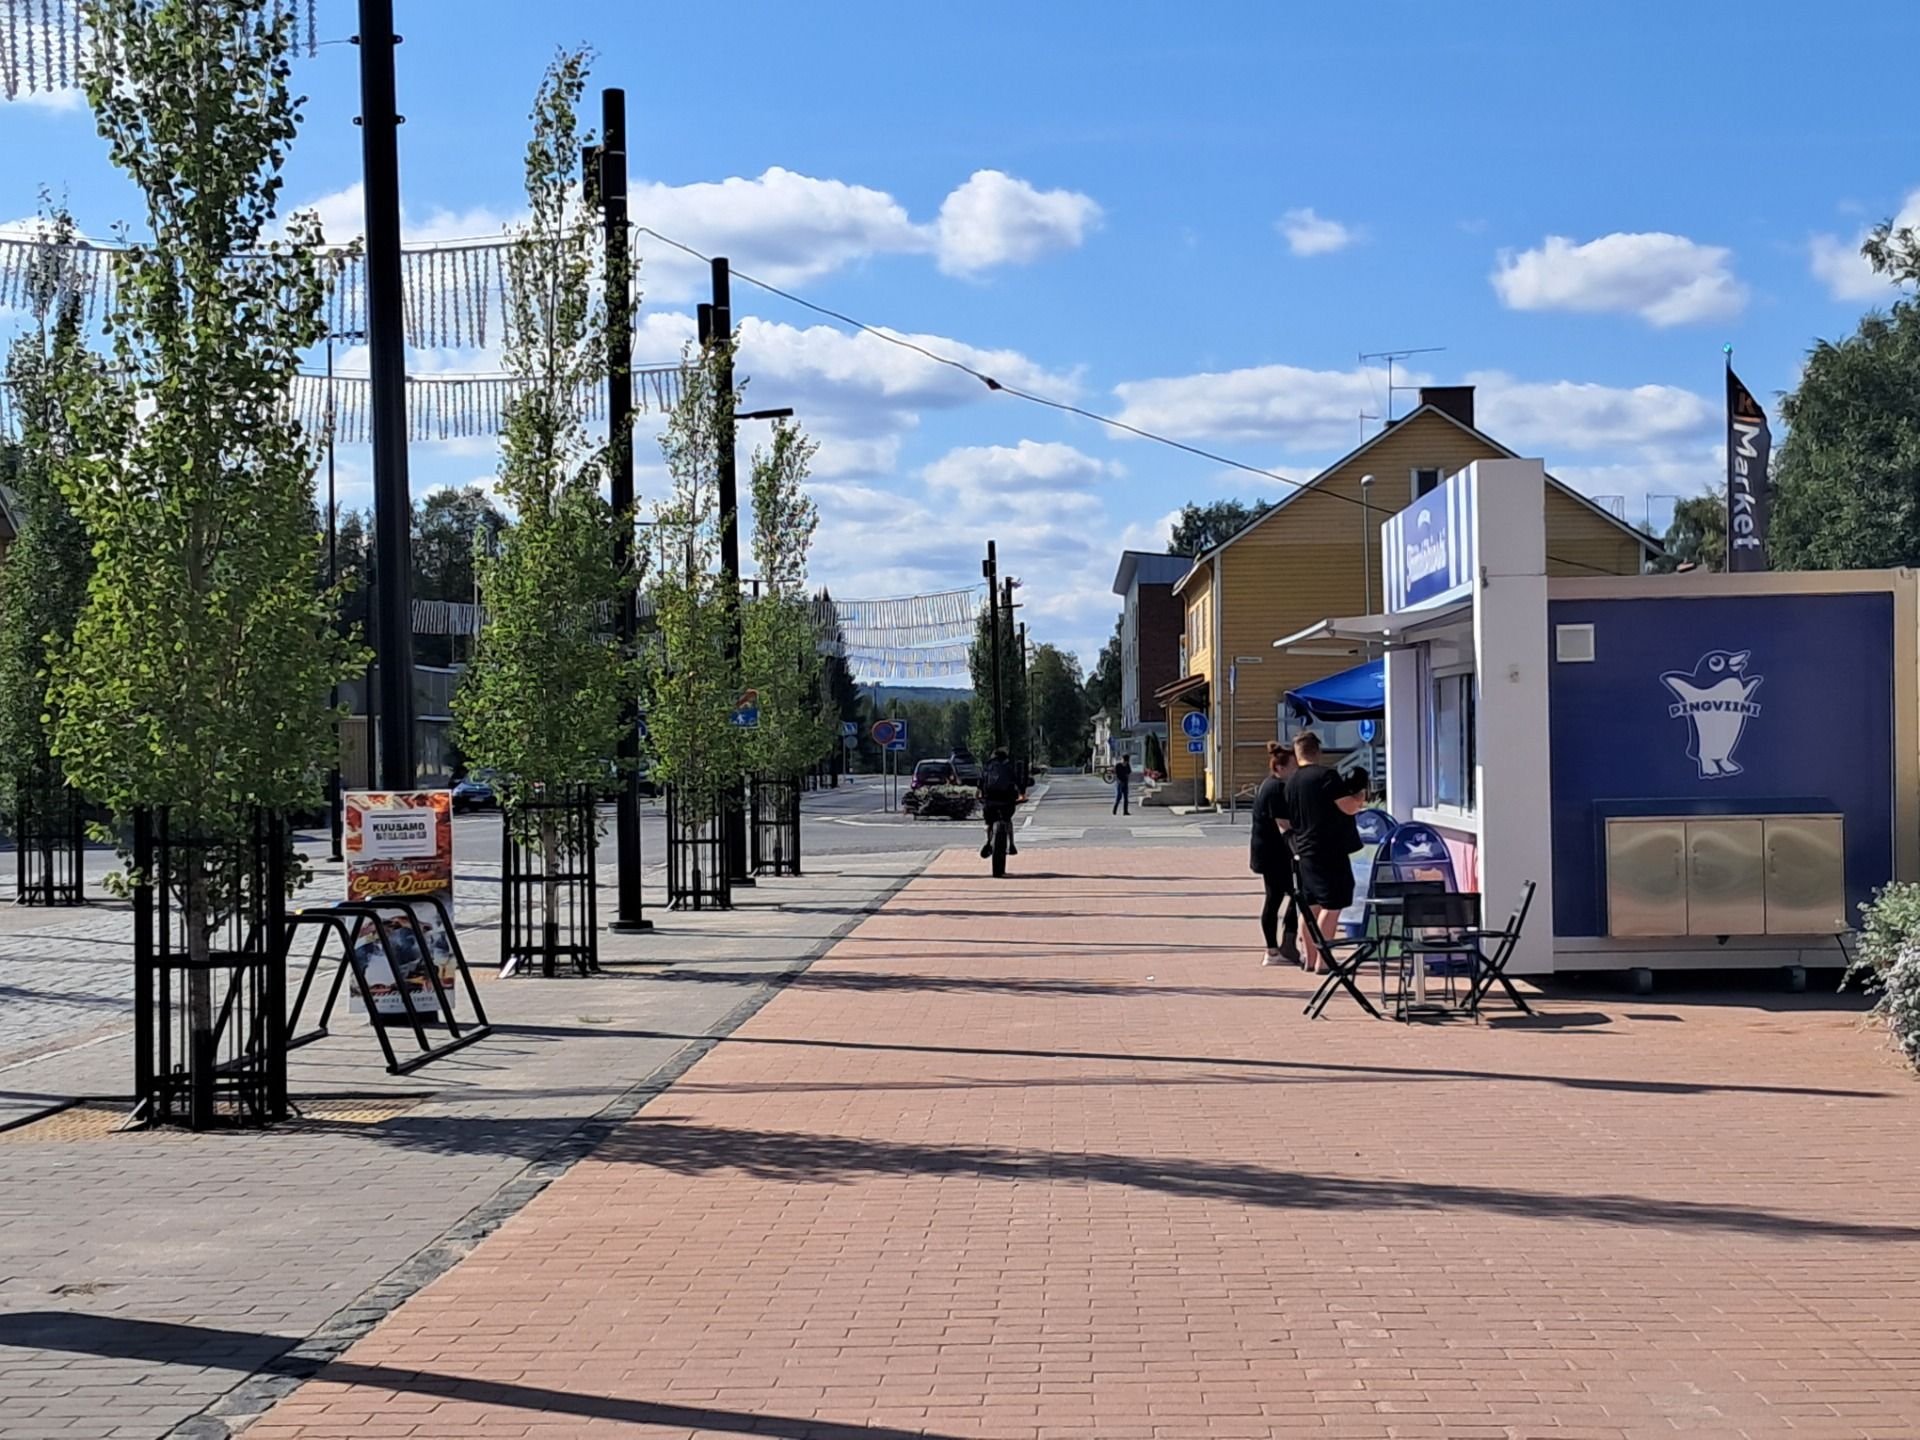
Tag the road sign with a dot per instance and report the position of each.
(887, 732)
(1196, 747)
(849, 727)
(896, 744)
(1195, 724)
(1367, 732)
(746, 711)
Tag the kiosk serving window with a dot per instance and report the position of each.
(1450, 743)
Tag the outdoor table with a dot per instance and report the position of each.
(1457, 941)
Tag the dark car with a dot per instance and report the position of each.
(474, 792)
(934, 772)
(966, 769)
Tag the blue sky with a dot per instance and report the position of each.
(1196, 219)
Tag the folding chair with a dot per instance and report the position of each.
(1442, 937)
(1385, 922)
(1494, 968)
(1344, 959)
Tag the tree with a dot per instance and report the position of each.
(199, 668)
(43, 583)
(780, 640)
(451, 530)
(1060, 714)
(1104, 683)
(1847, 477)
(959, 725)
(1697, 535)
(1012, 684)
(542, 702)
(1201, 527)
(693, 677)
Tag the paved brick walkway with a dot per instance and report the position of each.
(1058, 1158)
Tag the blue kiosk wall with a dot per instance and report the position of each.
(1815, 734)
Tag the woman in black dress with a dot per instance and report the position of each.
(1271, 857)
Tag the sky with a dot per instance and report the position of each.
(1195, 220)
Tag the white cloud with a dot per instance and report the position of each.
(1308, 409)
(1032, 465)
(995, 219)
(343, 218)
(61, 102)
(1839, 265)
(1664, 279)
(1310, 234)
(1553, 417)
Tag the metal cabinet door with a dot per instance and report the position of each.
(1726, 877)
(1646, 877)
(1806, 875)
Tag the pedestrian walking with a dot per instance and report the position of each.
(1320, 807)
(1122, 776)
(1271, 857)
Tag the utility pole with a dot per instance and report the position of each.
(609, 173)
(1026, 699)
(387, 395)
(735, 818)
(1006, 630)
(990, 568)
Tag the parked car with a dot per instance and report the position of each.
(934, 772)
(966, 769)
(475, 792)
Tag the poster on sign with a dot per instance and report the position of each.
(399, 846)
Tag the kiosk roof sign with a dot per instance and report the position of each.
(1428, 549)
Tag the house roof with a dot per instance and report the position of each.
(1147, 567)
(1646, 541)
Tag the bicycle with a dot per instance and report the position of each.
(1002, 838)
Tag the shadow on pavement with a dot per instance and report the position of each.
(113, 1337)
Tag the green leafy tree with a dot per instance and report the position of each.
(780, 640)
(452, 529)
(1201, 527)
(693, 678)
(542, 702)
(959, 727)
(1696, 537)
(1847, 477)
(1012, 684)
(44, 580)
(1103, 684)
(1061, 719)
(199, 667)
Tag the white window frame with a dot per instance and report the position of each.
(1413, 479)
(1468, 807)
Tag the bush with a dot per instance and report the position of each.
(955, 802)
(1887, 963)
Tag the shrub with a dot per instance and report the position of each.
(955, 802)
(1887, 963)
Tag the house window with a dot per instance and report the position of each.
(1425, 482)
(1452, 756)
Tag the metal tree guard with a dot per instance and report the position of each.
(549, 914)
(697, 869)
(210, 1047)
(776, 824)
(50, 843)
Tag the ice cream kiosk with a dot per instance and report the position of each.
(1699, 771)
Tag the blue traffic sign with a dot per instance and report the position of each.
(1194, 723)
(1196, 747)
(1367, 732)
(892, 734)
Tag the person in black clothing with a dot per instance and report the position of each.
(999, 793)
(1122, 774)
(1321, 804)
(1271, 856)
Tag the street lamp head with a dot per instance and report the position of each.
(784, 413)
(1365, 481)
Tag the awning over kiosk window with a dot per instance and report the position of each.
(1356, 694)
(1349, 634)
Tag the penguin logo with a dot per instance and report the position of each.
(1716, 697)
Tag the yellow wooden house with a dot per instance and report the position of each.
(1316, 553)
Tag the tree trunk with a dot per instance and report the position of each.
(550, 862)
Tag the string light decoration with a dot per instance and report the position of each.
(43, 43)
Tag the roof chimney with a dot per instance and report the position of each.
(1454, 400)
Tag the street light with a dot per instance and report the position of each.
(1233, 768)
(1366, 541)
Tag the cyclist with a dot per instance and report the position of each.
(999, 793)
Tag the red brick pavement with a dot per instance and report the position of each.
(1057, 1157)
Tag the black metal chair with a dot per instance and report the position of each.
(1442, 937)
(1344, 958)
(1493, 969)
(1385, 922)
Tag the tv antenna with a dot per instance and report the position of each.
(1366, 415)
(1391, 356)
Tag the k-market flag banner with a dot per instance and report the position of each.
(1749, 492)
